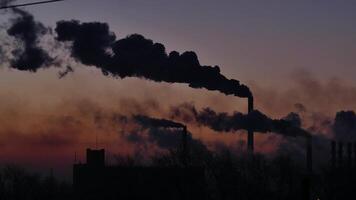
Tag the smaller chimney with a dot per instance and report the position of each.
(349, 154)
(185, 146)
(341, 153)
(306, 184)
(333, 154)
(250, 104)
(309, 155)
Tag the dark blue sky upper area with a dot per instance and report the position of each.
(249, 39)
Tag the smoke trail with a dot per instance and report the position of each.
(255, 121)
(163, 138)
(153, 122)
(135, 56)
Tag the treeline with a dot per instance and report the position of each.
(227, 176)
(18, 184)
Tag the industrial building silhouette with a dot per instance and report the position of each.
(96, 180)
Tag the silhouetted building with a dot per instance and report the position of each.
(354, 150)
(95, 180)
(96, 157)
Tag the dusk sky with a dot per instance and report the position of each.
(250, 40)
(295, 56)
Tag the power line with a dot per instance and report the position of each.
(28, 4)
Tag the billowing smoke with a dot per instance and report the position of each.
(93, 44)
(135, 56)
(344, 126)
(255, 121)
(27, 31)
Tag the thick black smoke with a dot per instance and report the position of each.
(26, 30)
(90, 41)
(224, 122)
(344, 126)
(136, 56)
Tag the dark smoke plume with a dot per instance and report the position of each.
(26, 30)
(255, 121)
(135, 56)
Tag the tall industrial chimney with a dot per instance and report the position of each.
(333, 153)
(355, 154)
(341, 153)
(250, 133)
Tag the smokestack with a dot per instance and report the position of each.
(309, 156)
(184, 146)
(341, 153)
(250, 140)
(354, 154)
(333, 153)
(349, 154)
(306, 184)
